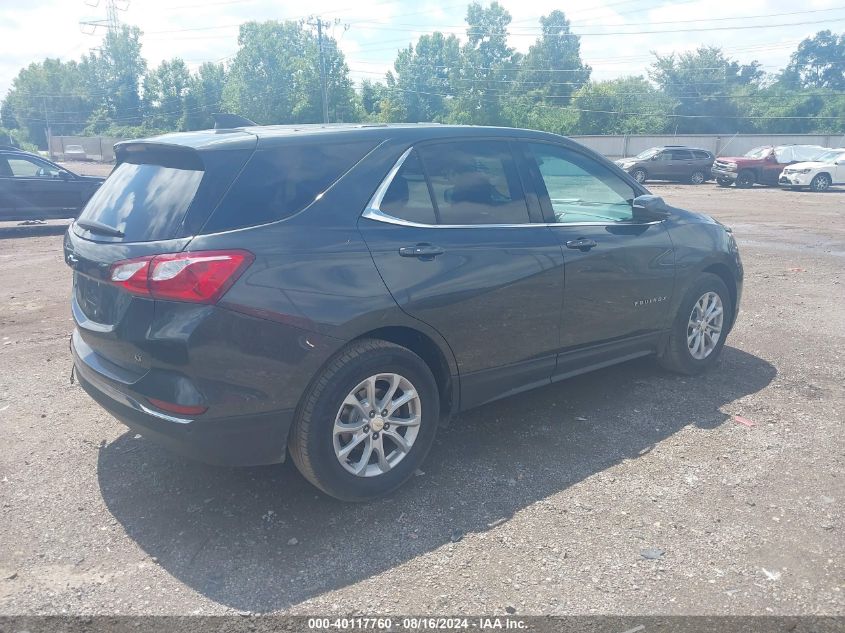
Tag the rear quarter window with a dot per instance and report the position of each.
(279, 181)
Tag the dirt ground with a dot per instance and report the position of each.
(543, 503)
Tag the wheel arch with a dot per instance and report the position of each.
(432, 354)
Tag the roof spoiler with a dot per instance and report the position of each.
(225, 121)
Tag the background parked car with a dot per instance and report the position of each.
(819, 174)
(34, 187)
(761, 165)
(74, 152)
(671, 162)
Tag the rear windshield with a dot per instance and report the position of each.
(146, 201)
(280, 181)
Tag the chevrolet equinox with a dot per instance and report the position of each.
(334, 292)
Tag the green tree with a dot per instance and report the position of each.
(114, 74)
(488, 66)
(275, 76)
(45, 92)
(422, 83)
(701, 84)
(778, 109)
(819, 62)
(629, 105)
(204, 96)
(553, 69)
(165, 91)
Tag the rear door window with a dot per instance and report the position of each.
(475, 182)
(681, 154)
(280, 181)
(146, 197)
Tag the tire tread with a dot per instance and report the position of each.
(298, 440)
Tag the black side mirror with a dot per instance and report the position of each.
(65, 175)
(649, 208)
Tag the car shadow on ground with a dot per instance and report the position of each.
(228, 533)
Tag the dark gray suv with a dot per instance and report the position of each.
(333, 293)
(670, 162)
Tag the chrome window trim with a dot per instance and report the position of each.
(373, 211)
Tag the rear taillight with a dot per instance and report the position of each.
(197, 277)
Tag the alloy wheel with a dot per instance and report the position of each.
(377, 425)
(705, 325)
(820, 183)
(697, 178)
(639, 176)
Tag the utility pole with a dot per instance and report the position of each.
(323, 90)
(49, 132)
(111, 22)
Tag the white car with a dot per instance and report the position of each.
(74, 152)
(819, 174)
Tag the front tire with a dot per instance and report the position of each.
(820, 183)
(724, 182)
(698, 331)
(697, 177)
(639, 175)
(367, 421)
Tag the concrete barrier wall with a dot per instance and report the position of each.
(721, 145)
(96, 148)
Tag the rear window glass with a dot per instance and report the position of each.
(146, 201)
(280, 181)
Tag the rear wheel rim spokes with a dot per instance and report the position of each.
(377, 424)
(704, 328)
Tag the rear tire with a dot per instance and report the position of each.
(337, 461)
(745, 179)
(639, 175)
(683, 353)
(820, 183)
(724, 182)
(697, 177)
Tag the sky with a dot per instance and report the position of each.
(618, 36)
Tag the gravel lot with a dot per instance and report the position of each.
(540, 504)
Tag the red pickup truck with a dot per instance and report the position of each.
(761, 165)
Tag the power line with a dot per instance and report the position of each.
(576, 25)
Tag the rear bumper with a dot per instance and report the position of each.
(231, 441)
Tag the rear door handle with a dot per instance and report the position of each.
(582, 244)
(423, 251)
